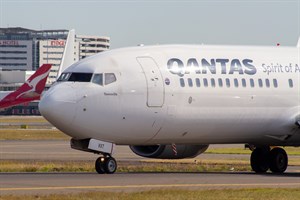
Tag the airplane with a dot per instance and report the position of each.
(31, 90)
(173, 101)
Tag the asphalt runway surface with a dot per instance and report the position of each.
(49, 183)
(61, 150)
(39, 183)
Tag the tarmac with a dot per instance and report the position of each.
(49, 183)
(61, 150)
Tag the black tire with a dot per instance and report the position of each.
(110, 165)
(278, 160)
(99, 165)
(260, 160)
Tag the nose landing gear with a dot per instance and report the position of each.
(106, 164)
(263, 159)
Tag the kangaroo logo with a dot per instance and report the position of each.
(32, 89)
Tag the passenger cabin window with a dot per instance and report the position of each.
(213, 82)
(260, 83)
(236, 83)
(110, 78)
(275, 83)
(182, 84)
(190, 82)
(251, 82)
(98, 79)
(291, 83)
(197, 82)
(243, 82)
(267, 83)
(227, 82)
(220, 82)
(205, 82)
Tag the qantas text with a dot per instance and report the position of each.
(213, 66)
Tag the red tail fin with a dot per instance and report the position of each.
(31, 90)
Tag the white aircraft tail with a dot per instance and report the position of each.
(68, 55)
(298, 45)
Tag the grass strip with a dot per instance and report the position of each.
(22, 119)
(186, 165)
(230, 161)
(172, 194)
(290, 151)
(123, 166)
(32, 134)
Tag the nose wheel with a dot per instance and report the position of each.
(106, 165)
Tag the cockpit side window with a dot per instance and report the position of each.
(110, 78)
(98, 79)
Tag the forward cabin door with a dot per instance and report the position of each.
(155, 85)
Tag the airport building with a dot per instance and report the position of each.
(51, 51)
(15, 54)
(90, 45)
(25, 49)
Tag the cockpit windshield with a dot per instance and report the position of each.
(64, 77)
(100, 79)
(75, 77)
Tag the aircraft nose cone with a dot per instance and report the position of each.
(58, 106)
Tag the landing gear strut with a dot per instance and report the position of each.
(106, 164)
(263, 159)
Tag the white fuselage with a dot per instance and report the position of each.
(246, 95)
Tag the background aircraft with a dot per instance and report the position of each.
(31, 90)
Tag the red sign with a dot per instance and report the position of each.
(57, 43)
(9, 42)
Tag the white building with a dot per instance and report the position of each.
(51, 51)
(90, 45)
(15, 54)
